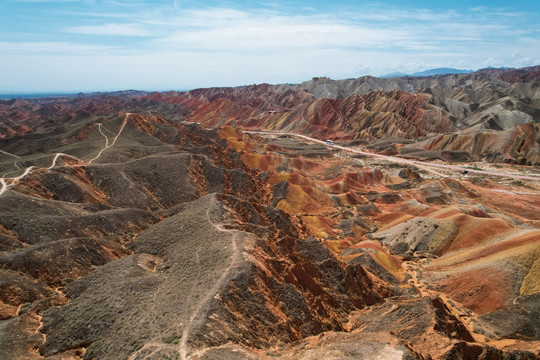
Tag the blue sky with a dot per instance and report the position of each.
(94, 45)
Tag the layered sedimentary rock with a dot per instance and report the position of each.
(142, 234)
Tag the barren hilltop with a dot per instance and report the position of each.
(367, 218)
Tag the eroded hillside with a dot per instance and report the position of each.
(491, 114)
(127, 230)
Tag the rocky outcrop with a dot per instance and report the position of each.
(515, 145)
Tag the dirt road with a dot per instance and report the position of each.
(402, 160)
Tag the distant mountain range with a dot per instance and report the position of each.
(51, 95)
(131, 93)
(430, 72)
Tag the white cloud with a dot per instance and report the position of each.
(224, 46)
(40, 48)
(235, 30)
(520, 60)
(494, 62)
(479, 8)
(110, 29)
(216, 29)
(275, 35)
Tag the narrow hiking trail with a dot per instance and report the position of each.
(460, 312)
(412, 268)
(4, 186)
(57, 155)
(9, 154)
(236, 254)
(402, 160)
(14, 171)
(196, 317)
(433, 171)
(6, 183)
(14, 180)
(108, 143)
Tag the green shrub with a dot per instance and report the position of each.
(474, 167)
(172, 339)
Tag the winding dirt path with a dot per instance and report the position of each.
(412, 268)
(106, 137)
(401, 160)
(235, 257)
(513, 192)
(107, 144)
(153, 347)
(14, 171)
(6, 183)
(14, 180)
(459, 311)
(57, 155)
(9, 154)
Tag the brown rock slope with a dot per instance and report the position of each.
(486, 112)
(484, 255)
(207, 293)
(21, 116)
(498, 117)
(516, 144)
(140, 236)
(226, 267)
(363, 116)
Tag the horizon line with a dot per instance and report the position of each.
(29, 94)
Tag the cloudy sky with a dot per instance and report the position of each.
(102, 45)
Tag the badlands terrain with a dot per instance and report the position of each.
(220, 224)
